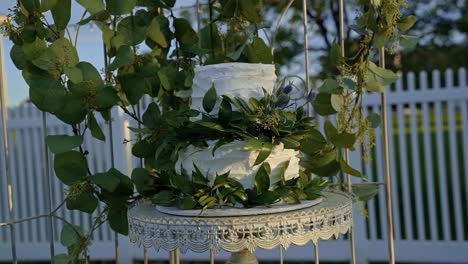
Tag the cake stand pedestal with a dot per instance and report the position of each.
(241, 235)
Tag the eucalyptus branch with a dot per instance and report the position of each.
(52, 213)
(130, 114)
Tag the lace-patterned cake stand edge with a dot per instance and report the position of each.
(240, 235)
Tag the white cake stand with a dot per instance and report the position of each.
(241, 235)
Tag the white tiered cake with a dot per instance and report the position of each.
(244, 80)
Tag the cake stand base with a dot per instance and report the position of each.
(242, 257)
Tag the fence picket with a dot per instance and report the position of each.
(39, 195)
(454, 168)
(420, 220)
(430, 186)
(443, 203)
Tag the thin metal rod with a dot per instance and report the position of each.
(145, 255)
(212, 256)
(199, 23)
(112, 160)
(281, 254)
(346, 152)
(306, 50)
(3, 102)
(316, 250)
(111, 149)
(47, 183)
(386, 156)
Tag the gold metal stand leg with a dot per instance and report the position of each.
(388, 187)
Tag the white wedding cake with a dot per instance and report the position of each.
(243, 80)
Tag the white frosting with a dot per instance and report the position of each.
(244, 80)
(240, 164)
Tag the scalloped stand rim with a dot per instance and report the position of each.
(226, 212)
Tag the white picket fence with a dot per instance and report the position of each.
(428, 121)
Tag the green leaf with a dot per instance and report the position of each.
(407, 22)
(123, 57)
(61, 12)
(322, 104)
(330, 130)
(290, 143)
(408, 42)
(18, 57)
(47, 5)
(249, 10)
(106, 181)
(92, 6)
(329, 86)
(380, 39)
(335, 56)
(258, 51)
(341, 140)
(143, 149)
(133, 30)
(374, 120)
(70, 167)
(346, 168)
(225, 112)
(366, 191)
(63, 143)
(58, 56)
(73, 110)
(144, 182)
(85, 202)
(118, 221)
(106, 98)
(134, 87)
(71, 234)
(156, 34)
(344, 140)
(209, 100)
(277, 175)
(30, 5)
(376, 78)
(184, 32)
(152, 116)
(47, 95)
(88, 73)
(34, 49)
(188, 203)
(96, 130)
(265, 151)
(164, 198)
(120, 7)
(167, 76)
(252, 145)
(262, 178)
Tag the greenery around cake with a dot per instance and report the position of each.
(75, 91)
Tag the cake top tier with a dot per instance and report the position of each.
(244, 80)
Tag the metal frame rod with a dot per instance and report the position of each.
(316, 250)
(386, 156)
(47, 183)
(306, 50)
(112, 160)
(3, 102)
(346, 152)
